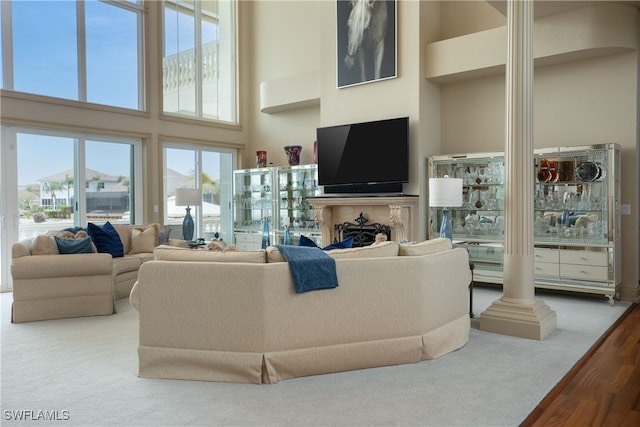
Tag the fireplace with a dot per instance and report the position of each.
(363, 232)
(399, 214)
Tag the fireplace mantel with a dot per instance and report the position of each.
(399, 212)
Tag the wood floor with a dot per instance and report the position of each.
(603, 388)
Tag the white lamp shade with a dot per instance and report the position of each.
(188, 196)
(445, 192)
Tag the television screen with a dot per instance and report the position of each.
(364, 153)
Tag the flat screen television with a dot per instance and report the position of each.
(368, 157)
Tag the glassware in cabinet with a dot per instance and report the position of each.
(280, 194)
(481, 215)
(295, 185)
(572, 197)
(253, 201)
(576, 215)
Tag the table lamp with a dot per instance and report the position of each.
(445, 193)
(188, 197)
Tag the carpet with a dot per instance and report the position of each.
(82, 372)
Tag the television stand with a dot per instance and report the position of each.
(365, 189)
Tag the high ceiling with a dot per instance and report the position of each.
(552, 7)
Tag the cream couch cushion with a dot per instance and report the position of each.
(138, 242)
(425, 248)
(124, 264)
(143, 240)
(168, 253)
(274, 255)
(377, 250)
(124, 231)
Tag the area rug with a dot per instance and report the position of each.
(84, 370)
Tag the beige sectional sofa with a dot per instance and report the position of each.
(208, 316)
(50, 285)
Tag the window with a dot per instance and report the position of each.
(87, 50)
(208, 168)
(55, 180)
(199, 59)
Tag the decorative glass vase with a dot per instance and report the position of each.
(293, 154)
(187, 226)
(266, 241)
(287, 235)
(445, 227)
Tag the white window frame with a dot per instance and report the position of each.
(7, 51)
(9, 209)
(233, 58)
(199, 148)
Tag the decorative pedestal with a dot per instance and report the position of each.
(400, 213)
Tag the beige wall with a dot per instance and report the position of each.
(467, 17)
(575, 103)
(285, 39)
(396, 97)
(590, 101)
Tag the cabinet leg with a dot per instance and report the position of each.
(471, 299)
(471, 267)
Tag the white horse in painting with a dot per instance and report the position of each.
(367, 30)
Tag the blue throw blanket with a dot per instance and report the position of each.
(311, 268)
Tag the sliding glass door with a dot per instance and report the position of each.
(209, 169)
(54, 180)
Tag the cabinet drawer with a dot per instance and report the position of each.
(547, 269)
(247, 238)
(546, 255)
(486, 253)
(583, 272)
(587, 258)
(248, 246)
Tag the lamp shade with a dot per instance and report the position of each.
(188, 196)
(445, 192)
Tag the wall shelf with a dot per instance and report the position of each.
(288, 93)
(585, 33)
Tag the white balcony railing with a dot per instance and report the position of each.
(179, 70)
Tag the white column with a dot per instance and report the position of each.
(518, 313)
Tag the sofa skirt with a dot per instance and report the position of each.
(271, 367)
(62, 308)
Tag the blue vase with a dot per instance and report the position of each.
(266, 241)
(445, 228)
(287, 235)
(187, 226)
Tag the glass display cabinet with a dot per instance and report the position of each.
(577, 216)
(278, 194)
(296, 184)
(253, 201)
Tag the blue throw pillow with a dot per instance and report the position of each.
(345, 244)
(73, 246)
(305, 241)
(106, 239)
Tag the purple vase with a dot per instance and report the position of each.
(315, 152)
(293, 154)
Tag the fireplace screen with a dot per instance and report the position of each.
(363, 234)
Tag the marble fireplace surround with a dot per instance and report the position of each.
(399, 212)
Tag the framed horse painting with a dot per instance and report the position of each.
(367, 41)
